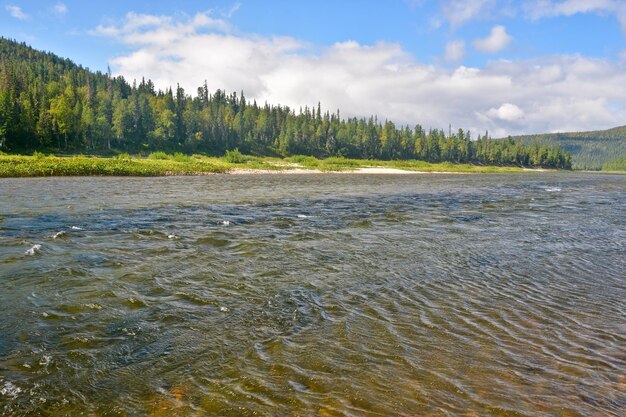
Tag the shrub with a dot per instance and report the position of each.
(341, 161)
(302, 159)
(158, 155)
(180, 157)
(38, 155)
(124, 157)
(235, 157)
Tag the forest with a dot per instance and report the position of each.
(600, 149)
(53, 105)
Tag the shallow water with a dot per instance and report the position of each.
(314, 295)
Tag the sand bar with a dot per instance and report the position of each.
(368, 170)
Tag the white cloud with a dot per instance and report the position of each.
(230, 12)
(60, 9)
(143, 29)
(549, 8)
(16, 12)
(497, 40)
(457, 12)
(507, 112)
(555, 93)
(538, 9)
(455, 50)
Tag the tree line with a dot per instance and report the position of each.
(589, 150)
(50, 103)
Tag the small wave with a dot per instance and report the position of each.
(76, 228)
(129, 332)
(10, 390)
(303, 216)
(133, 302)
(553, 189)
(225, 223)
(34, 250)
(59, 234)
(171, 236)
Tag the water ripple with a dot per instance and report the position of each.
(314, 295)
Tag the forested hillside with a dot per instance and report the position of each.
(589, 150)
(51, 104)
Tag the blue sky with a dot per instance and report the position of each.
(503, 65)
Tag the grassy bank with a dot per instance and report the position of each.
(45, 166)
(161, 164)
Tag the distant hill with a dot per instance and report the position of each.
(589, 150)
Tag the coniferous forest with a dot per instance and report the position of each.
(50, 104)
(594, 150)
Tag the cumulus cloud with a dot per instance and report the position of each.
(555, 93)
(507, 112)
(16, 12)
(455, 50)
(60, 9)
(497, 40)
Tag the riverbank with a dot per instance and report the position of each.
(166, 165)
(367, 170)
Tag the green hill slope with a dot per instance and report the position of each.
(589, 150)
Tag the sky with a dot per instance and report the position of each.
(509, 67)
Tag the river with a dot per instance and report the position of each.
(321, 295)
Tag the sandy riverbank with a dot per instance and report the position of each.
(48, 166)
(377, 170)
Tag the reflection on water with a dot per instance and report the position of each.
(313, 295)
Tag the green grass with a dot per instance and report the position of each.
(46, 166)
(161, 164)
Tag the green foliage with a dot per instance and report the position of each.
(30, 166)
(124, 156)
(38, 155)
(47, 102)
(306, 161)
(618, 164)
(234, 157)
(180, 157)
(589, 150)
(159, 156)
(343, 162)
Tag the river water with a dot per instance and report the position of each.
(321, 295)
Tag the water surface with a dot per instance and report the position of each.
(323, 295)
